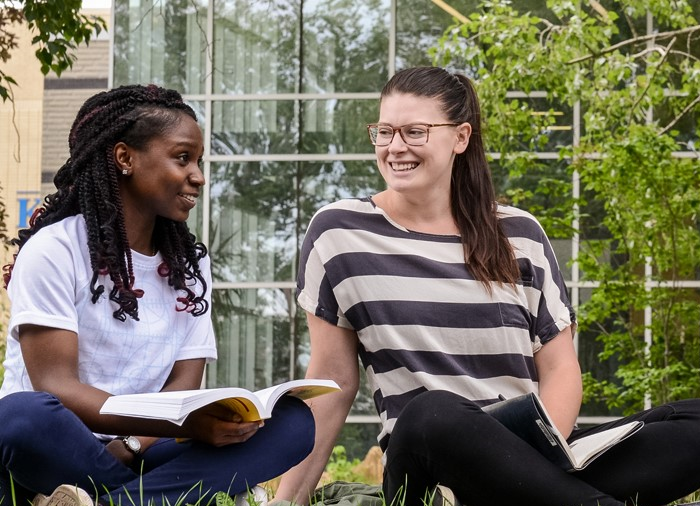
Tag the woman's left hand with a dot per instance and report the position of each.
(117, 448)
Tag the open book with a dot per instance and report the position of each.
(176, 405)
(527, 417)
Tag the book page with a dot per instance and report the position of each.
(302, 388)
(244, 407)
(588, 447)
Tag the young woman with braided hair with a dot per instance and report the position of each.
(110, 294)
(452, 300)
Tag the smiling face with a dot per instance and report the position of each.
(419, 171)
(163, 178)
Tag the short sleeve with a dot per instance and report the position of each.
(314, 291)
(44, 284)
(548, 300)
(201, 341)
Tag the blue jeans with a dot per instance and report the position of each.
(43, 445)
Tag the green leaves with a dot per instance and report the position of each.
(638, 96)
(57, 27)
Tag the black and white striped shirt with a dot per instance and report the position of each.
(422, 320)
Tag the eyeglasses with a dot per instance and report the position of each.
(415, 134)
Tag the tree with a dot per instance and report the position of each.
(57, 27)
(638, 212)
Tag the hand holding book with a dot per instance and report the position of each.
(174, 406)
(527, 417)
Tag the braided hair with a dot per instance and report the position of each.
(87, 184)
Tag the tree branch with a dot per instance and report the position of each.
(636, 40)
(685, 111)
(651, 80)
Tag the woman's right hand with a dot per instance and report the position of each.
(219, 426)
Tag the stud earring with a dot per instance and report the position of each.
(125, 172)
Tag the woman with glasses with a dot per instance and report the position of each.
(452, 301)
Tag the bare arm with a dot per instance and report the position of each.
(51, 358)
(560, 380)
(333, 356)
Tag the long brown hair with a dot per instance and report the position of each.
(487, 251)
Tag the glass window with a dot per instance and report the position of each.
(419, 24)
(161, 42)
(687, 124)
(589, 349)
(256, 46)
(346, 45)
(255, 127)
(338, 126)
(275, 126)
(550, 125)
(260, 210)
(253, 229)
(258, 341)
(358, 438)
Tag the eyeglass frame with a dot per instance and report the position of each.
(398, 129)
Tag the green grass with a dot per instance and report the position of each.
(339, 468)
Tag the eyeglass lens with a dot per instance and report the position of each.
(413, 135)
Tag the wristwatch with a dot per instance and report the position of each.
(132, 444)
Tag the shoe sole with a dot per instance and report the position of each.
(66, 495)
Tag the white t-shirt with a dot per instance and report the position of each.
(50, 286)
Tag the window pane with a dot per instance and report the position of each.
(419, 24)
(273, 126)
(257, 339)
(162, 43)
(253, 228)
(255, 127)
(686, 124)
(256, 46)
(338, 126)
(346, 45)
(260, 210)
(589, 349)
(195, 221)
(358, 438)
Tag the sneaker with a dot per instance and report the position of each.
(64, 495)
(256, 496)
(443, 496)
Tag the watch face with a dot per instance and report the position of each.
(133, 444)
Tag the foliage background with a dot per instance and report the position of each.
(57, 27)
(631, 71)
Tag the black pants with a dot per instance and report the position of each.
(442, 438)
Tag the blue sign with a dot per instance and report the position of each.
(27, 206)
